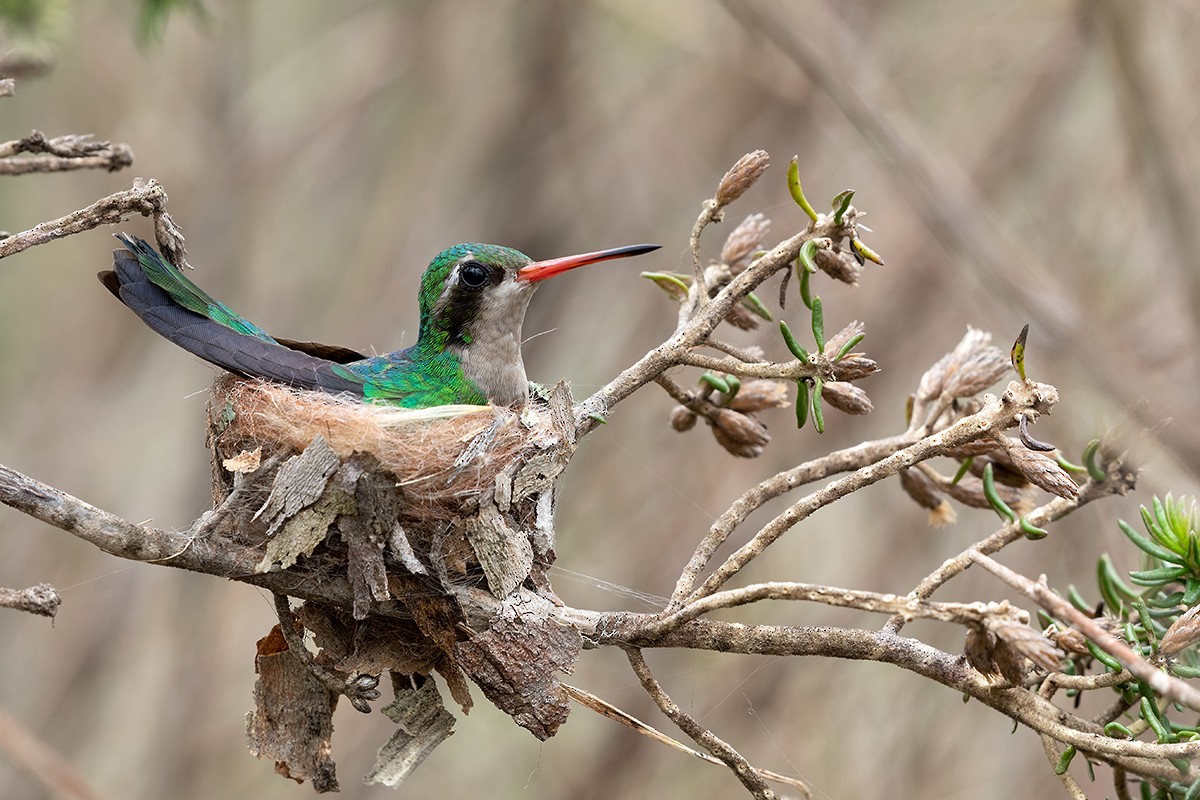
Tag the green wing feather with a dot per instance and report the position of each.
(170, 279)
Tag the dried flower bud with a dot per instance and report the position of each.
(682, 418)
(1183, 633)
(1041, 470)
(978, 447)
(747, 237)
(852, 368)
(1009, 662)
(838, 265)
(1003, 469)
(759, 394)
(979, 649)
(920, 488)
(1069, 640)
(969, 492)
(742, 318)
(935, 380)
(1024, 642)
(740, 434)
(833, 344)
(741, 176)
(847, 398)
(978, 372)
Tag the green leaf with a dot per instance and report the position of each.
(670, 282)
(716, 382)
(840, 204)
(1149, 712)
(794, 346)
(1031, 531)
(817, 414)
(963, 468)
(1158, 577)
(818, 324)
(848, 346)
(866, 252)
(1089, 461)
(1103, 657)
(1077, 600)
(802, 403)
(793, 180)
(1018, 353)
(1064, 761)
(1145, 545)
(1116, 730)
(1191, 593)
(993, 497)
(755, 306)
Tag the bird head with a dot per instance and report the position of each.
(471, 291)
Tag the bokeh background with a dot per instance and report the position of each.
(1020, 161)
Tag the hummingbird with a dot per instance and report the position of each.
(472, 300)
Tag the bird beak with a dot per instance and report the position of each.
(540, 270)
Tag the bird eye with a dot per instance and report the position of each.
(473, 274)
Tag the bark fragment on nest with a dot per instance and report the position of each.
(418, 511)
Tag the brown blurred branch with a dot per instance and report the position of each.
(957, 216)
(40, 762)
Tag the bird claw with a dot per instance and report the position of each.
(360, 690)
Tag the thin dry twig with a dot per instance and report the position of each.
(745, 772)
(62, 153)
(42, 599)
(145, 197)
(996, 414)
(606, 709)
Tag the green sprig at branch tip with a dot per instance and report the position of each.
(793, 179)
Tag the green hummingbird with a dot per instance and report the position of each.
(473, 300)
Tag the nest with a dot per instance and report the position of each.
(440, 519)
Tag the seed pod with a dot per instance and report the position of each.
(979, 649)
(1025, 642)
(1041, 470)
(748, 237)
(969, 492)
(852, 368)
(742, 318)
(1003, 469)
(741, 176)
(1070, 641)
(759, 394)
(839, 266)
(740, 434)
(1182, 634)
(847, 398)
(920, 488)
(937, 378)
(682, 418)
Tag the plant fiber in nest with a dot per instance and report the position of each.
(438, 455)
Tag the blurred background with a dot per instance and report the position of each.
(1020, 161)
